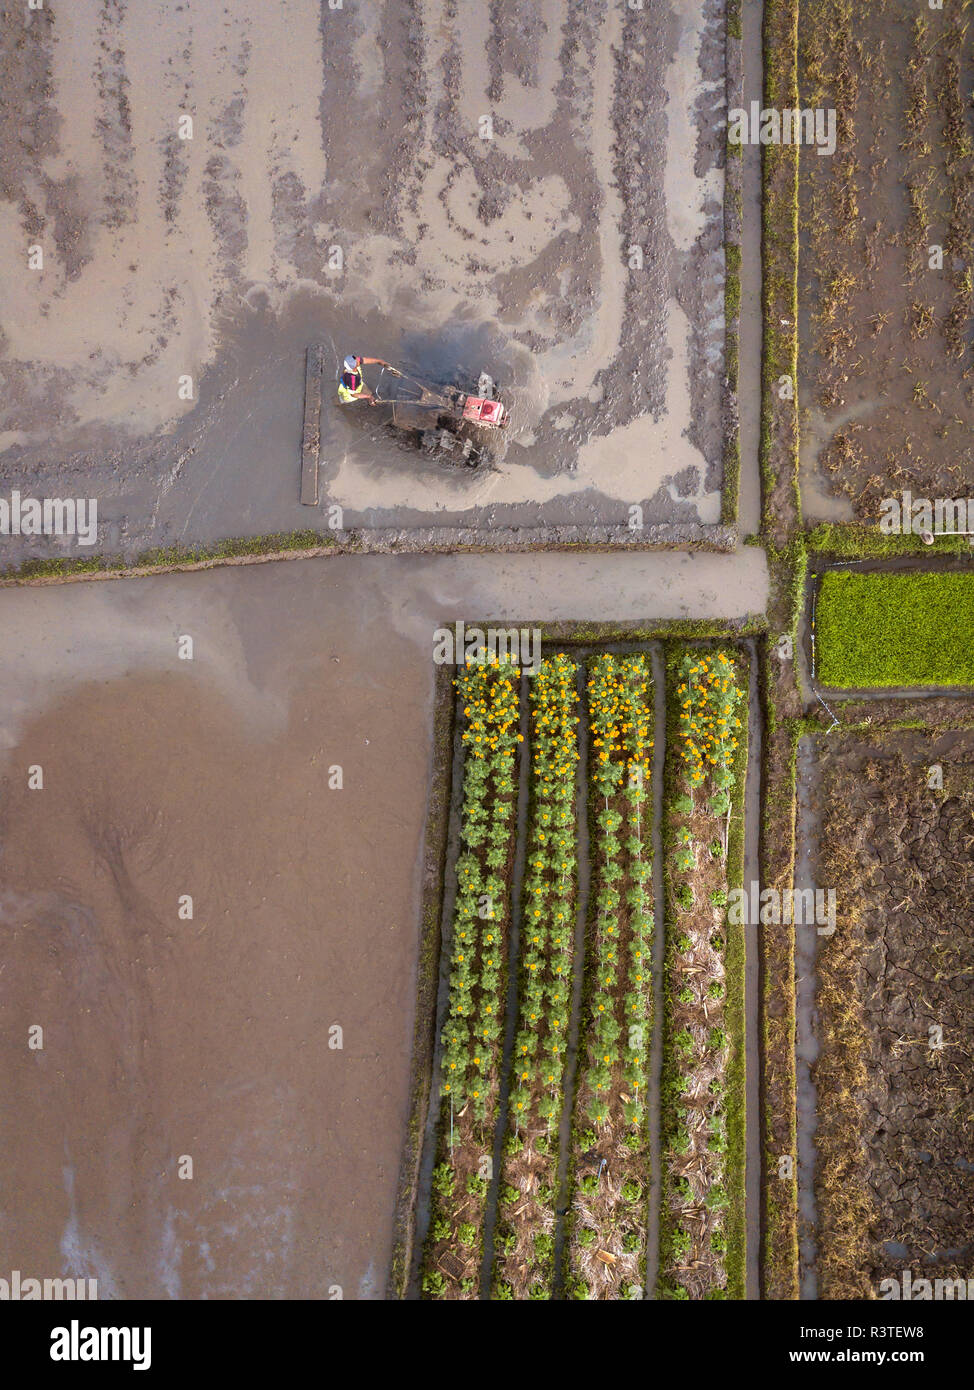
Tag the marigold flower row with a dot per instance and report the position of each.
(471, 1040)
(549, 892)
(621, 722)
(709, 726)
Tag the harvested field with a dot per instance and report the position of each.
(886, 294)
(894, 1183)
(534, 191)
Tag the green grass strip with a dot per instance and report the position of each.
(859, 542)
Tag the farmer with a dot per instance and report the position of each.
(351, 382)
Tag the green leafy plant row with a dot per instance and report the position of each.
(610, 1140)
(473, 1035)
(527, 1200)
(702, 1156)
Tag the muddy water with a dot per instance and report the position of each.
(818, 504)
(559, 586)
(453, 845)
(212, 1037)
(367, 206)
(209, 1036)
(55, 636)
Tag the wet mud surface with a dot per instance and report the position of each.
(209, 1036)
(575, 255)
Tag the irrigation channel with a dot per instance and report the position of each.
(425, 1178)
(581, 654)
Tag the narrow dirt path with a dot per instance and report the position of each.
(752, 986)
(442, 994)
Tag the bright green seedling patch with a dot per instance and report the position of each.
(895, 629)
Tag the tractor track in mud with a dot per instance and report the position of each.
(458, 252)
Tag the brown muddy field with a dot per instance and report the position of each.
(887, 386)
(357, 131)
(895, 1074)
(209, 1037)
(166, 1037)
